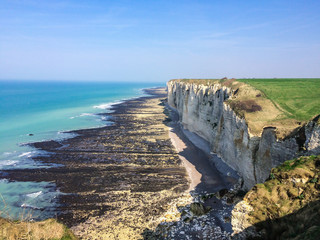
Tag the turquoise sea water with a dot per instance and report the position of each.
(45, 110)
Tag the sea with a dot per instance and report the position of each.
(32, 111)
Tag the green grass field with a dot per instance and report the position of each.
(299, 97)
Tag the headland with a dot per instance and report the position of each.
(255, 126)
(168, 169)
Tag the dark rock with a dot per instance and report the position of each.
(223, 192)
(230, 200)
(187, 219)
(199, 209)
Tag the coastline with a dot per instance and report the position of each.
(130, 177)
(118, 179)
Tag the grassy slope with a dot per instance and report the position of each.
(287, 206)
(48, 229)
(299, 98)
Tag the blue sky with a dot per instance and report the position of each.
(158, 40)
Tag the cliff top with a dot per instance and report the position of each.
(298, 98)
(286, 104)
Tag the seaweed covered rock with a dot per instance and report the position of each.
(199, 209)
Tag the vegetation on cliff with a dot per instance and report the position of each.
(286, 104)
(48, 229)
(298, 98)
(287, 205)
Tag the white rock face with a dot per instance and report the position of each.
(202, 110)
(240, 221)
(312, 132)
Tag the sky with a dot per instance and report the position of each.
(158, 40)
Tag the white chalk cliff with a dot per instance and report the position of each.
(203, 110)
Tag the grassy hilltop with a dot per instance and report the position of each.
(298, 98)
(280, 102)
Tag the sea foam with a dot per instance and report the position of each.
(107, 105)
(26, 154)
(34, 195)
(5, 163)
(25, 205)
(83, 115)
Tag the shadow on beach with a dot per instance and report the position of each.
(208, 216)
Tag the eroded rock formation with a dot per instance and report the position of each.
(203, 109)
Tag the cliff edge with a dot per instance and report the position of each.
(245, 128)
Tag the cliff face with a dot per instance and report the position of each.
(204, 111)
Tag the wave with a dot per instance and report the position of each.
(24, 164)
(4, 180)
(86, 114)
(23, 160)
(27, 154)
(5, 163)
(25, 205)
(107, 105)
(34, 195)
(83, 115)
(62, 135)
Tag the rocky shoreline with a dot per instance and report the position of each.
(116, 180)
(127, 181)
(207, 215)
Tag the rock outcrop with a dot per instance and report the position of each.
(203, 109)
(286, 206)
